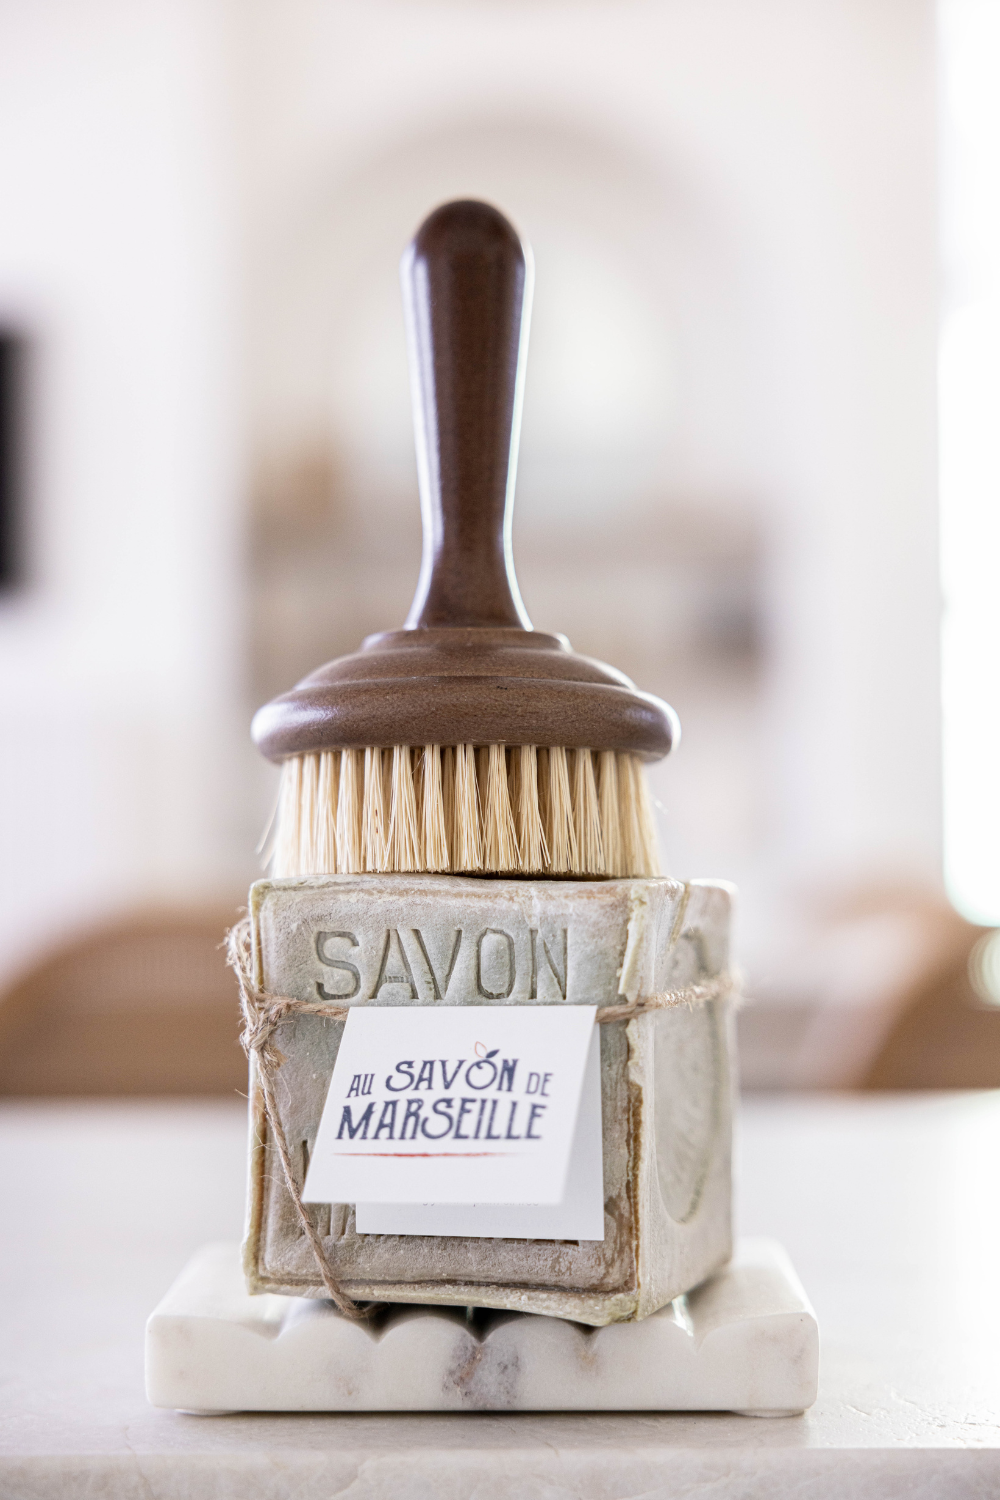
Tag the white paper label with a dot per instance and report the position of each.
(452, 1104)
(580, 1215)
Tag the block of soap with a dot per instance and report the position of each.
(423, 940)
(745, 1341)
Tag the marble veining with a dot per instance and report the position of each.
(744, 1341)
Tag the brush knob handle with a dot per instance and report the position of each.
(466, 288)
(474, 672)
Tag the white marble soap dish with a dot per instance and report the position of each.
(745, 1341)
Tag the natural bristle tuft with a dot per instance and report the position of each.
(434, 827)
(467, 844)
(526, 810)
(373, 819)
(564, 858)
(327, 798)
(350, 840)
(611, 813)
(586, 814)
(404, 835)
(500, 851)
(530, 832)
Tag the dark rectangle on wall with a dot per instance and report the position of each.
(13, 371)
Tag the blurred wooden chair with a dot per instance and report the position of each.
(881, 989)
(143, 1005)
(946, 1034)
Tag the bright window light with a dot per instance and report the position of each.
(970, 455)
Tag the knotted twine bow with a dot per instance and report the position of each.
(264, 1013)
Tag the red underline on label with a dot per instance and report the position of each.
(435, 1155)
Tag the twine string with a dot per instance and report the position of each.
(263, 1013)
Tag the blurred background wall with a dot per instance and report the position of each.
(728, 477)
(122, 676)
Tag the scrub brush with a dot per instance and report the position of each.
(467, 741)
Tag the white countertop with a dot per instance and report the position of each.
(889, 1206)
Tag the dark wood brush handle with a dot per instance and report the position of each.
(474, 672)
(465, 282)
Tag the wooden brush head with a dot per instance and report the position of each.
(467, 668)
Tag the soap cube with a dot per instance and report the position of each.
(666, 1077)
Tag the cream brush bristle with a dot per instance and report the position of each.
(526, 812)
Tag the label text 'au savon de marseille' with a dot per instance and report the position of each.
(459, 1117)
